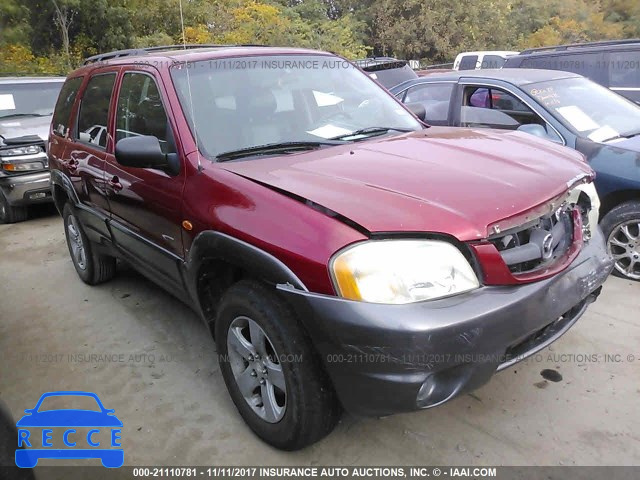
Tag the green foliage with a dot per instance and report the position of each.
(54, 35)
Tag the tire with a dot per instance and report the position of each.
(310, 408)
(92, 268)
(10, 213)
(621, 228)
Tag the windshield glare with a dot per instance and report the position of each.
(28, 98)
(588, 109)
(239, 103)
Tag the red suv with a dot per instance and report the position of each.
(343, 254)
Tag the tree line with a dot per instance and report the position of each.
(53, 36)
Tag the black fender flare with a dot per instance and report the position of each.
(61, 180)
(213, 245)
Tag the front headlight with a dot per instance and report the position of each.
(401, 271)
(28, 150)
(594, 213)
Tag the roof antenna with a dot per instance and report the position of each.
(184, 46)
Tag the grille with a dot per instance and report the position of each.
(538, 244)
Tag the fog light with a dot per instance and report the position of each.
(426, 391)
(442, 386)
(35, 196)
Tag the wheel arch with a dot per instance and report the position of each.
(613, 199)
(217, 260)
(62, 190)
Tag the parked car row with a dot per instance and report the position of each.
(333, 243)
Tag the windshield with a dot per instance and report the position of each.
(242, 103)
(588, 109)
(28, 98)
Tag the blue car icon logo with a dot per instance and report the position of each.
(38, 429)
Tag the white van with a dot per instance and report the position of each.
(479, 60)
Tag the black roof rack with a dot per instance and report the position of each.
(102, 57)
(561, 48)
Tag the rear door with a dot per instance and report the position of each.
(60, 135)
(88, 149)
(146, 203)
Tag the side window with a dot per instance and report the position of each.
(507, 103)
(64, 105)
(586, 64)
(140, 111)
(492, 61)
(468, 62)
(497, 108)
(624, 69)
(435, 98)
(94, 110)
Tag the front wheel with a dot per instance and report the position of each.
(10, 213)
(271, 371)
(621, 227)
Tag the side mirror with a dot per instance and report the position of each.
(418, 110)
(144, 151)
(535, 129)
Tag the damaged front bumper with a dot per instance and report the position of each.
(386, 359)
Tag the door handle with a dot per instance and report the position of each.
(115, 184)
(72, 165)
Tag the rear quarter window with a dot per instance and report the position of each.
(64, 105)
(492, 61)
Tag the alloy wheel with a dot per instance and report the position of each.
(257, 369)
(75, 242)
(624, 247)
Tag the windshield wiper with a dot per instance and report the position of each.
(14, 115)
(630, 134)
(275, 148)
(371, 132)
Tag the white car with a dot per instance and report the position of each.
(480, 60)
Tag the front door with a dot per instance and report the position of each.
(145, 203)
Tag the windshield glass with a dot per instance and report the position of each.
(588, 109)
(28, 98)
(240, 103)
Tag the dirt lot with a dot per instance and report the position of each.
(166, 387)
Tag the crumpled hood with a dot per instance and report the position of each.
(454, 181)
(22, 126)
